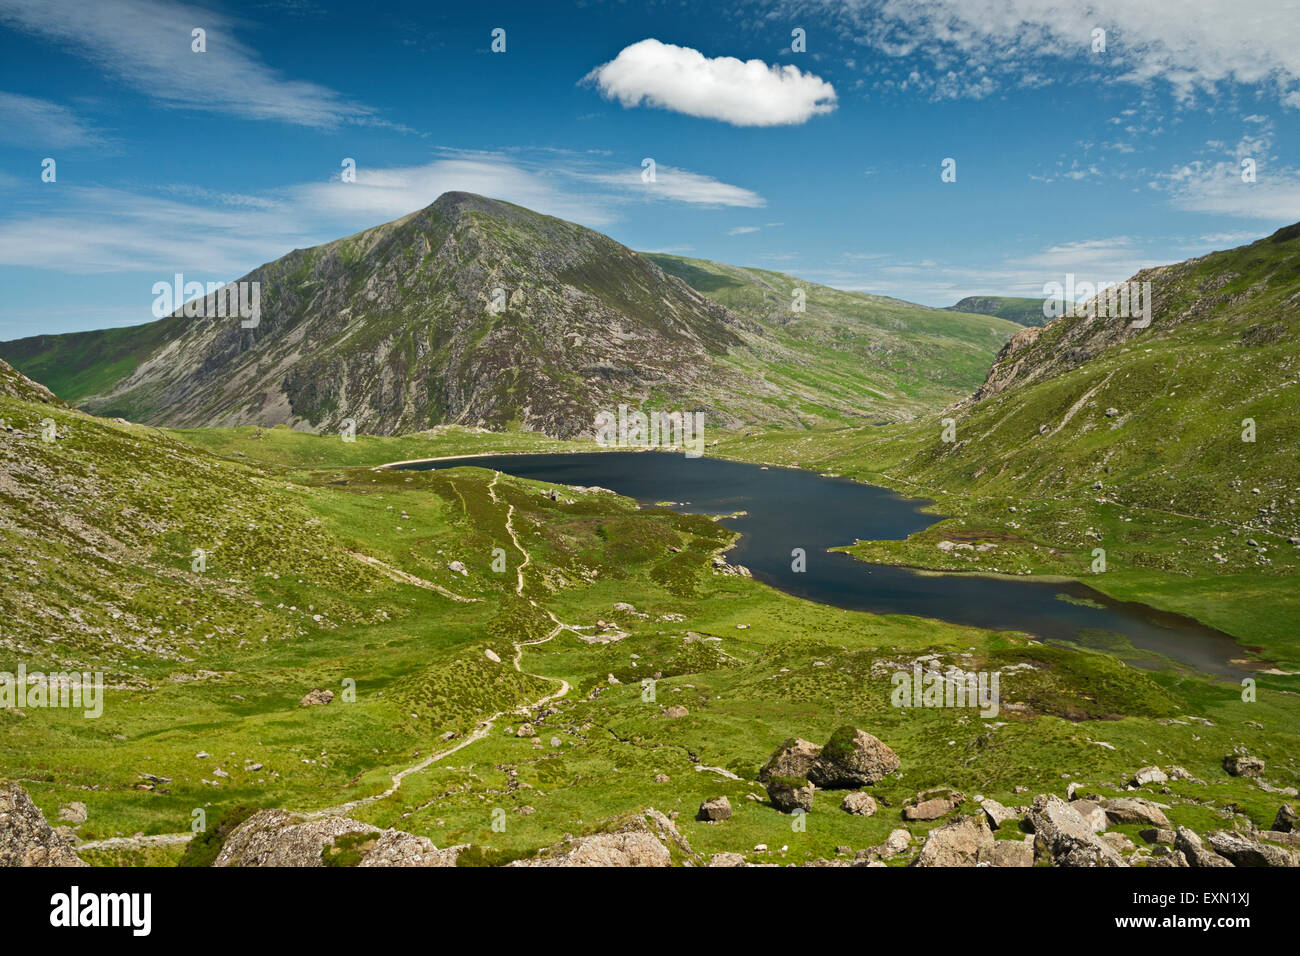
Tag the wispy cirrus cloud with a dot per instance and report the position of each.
(739, 92)
(146, 45)
(92, 229)
(28, 121)
(679, 185)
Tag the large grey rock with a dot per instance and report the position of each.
(933, 804)
(859, 804)
(897, 841)
(957, 843)
(1008, 853)
(1123, 810)
(26, 838)
(1243, 851)
(997, 814)
(1191, 846)
(1240, 765)
(852, 758)
(1172, 858)
(794, 758)
(726, 859)
(715, 810)
(280, 838)
(397, 848)
(640, 842)
(1066, 836)
(1286, 819)
(1289, 837)
(74, 813)
(1092, 814)
(790, 793)
(316, 698)
(1148, 775)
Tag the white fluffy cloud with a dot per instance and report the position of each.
(739, 92)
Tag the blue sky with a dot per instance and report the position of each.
(825, 163)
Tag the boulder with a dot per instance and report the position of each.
(790, 793)
(1119, 841)
(26, 838)
(1191, 847)
(1285, 821)
(1243, 851)
(1168, 858)
(525, 730)
(396, 848)
(279, 838)
(639, 842)
(715, 810)
(859, 804)
(958, 843)
(933, 804)
(726, 859)
(852, 758)
(1289, 837)
(1159, 835)
(1148, 775)
(317, 698)
(675, 711)
(1063, 834)
(794, 758)
(1240, 765)
(997, 814)
(1008, 853)
(74, 813)
(897, 841)
(1124, 810)
(1092, 814)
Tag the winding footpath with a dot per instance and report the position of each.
(482, 730)
(484, 727)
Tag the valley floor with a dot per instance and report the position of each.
(486, 640)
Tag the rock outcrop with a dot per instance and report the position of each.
(1062, 833)
(957, 843)
(642, 841)
(26, 837)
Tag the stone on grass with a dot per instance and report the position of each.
(852, 758)
(790, 793)
(859, 804)
(794, 758)
(715, 810)
(957, 843)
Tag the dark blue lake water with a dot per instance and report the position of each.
(787, 509)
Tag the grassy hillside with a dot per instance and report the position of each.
(1022, 311)
(849, 355)
(206, 668)
(1101, 435)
